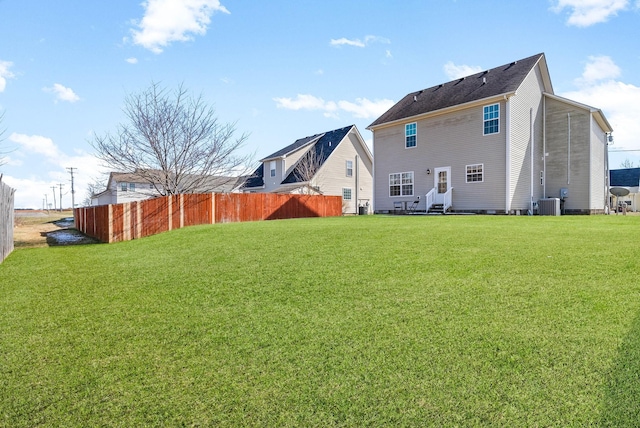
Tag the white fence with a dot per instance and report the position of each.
(6, 220)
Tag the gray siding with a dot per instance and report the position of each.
(332, 177)
(598, 167)
(526, 107)
(453, 139)
(568, 164)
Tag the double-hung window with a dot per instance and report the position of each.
(475, 173)
(132, 187)
(491, 115)
(401, 184)
(349, 168)
(123, 187)
(410, 135)
(272, 168)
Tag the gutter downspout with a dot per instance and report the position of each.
(544, 147)
(357, 184)
(507, 196)
(531, 156)
(568, 148)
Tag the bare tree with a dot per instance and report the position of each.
(93, 188)
(174, 141)
(626, 163)
(306, 169)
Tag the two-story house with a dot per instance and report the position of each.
(496, 141)
(334, 163)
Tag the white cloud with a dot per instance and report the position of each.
(357, 42)
(5, 74)
(132, 60)
(456, 71)
(167, 21)
(63, 93)
(362, 107)
(584, 13)
(36, 144)
(599, 88)
(598, 68)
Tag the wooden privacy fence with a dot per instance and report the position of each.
(133, 220)
(6, 220)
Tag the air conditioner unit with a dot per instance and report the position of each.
(549, 206)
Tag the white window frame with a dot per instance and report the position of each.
(272, 168)
(401, 176)
(490, 119)
(414, 127)
(348, 190)
(124, 187)
(132, 187)
(349, 168)
(474, 172)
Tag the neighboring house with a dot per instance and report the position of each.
(492, 142)
(628, 178)
(129, 187)
(336, 163)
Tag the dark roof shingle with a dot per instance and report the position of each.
(496, 81)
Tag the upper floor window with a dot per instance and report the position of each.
(272, 168)
(475, 173)
(491, 119)
(410, 135)
(132, 187)
(401, 184)
(349, 168)
(123, 187)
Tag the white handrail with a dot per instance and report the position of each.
(447, 200)
(431, 197)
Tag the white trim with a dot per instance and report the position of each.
(350, 189)
(507, 118)
(484, 121)
(414, 135)
(413, 184)
(346, 167)
(466, 173)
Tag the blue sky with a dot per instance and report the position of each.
(284, 70)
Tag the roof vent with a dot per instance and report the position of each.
(484, 80)
(415, 98)
(514, 62)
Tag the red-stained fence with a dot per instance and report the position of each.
(133, 220)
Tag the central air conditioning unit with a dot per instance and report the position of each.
(549, 206)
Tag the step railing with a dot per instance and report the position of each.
(448, 196)
(430, 198)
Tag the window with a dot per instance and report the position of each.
(401, 184)
(491, 119)
(475, 173)
(346, 193)
(272, 168)
(410, 133)
(123, 187)
(132, 187)
(349, 168)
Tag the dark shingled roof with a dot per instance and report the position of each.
(496, 81)
(323, 149)
(324, 145)
(628, 177)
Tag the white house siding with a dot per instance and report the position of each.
(332, 177)
(454, 139)
(598, 190)
(576, 179)
(529, 96)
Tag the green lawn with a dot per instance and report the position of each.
(357, 321)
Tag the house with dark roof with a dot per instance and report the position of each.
(123, 187)
(629, 179)
(336, 162)
(496, 141)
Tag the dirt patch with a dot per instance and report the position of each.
(35, 229)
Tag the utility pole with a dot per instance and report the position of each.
(73, 198)
(46, 203)
(60, 184)
(54, 197)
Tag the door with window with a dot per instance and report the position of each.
(442, 182)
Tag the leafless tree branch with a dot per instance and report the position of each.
(174, 141)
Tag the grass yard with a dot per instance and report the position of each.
(356, 321)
